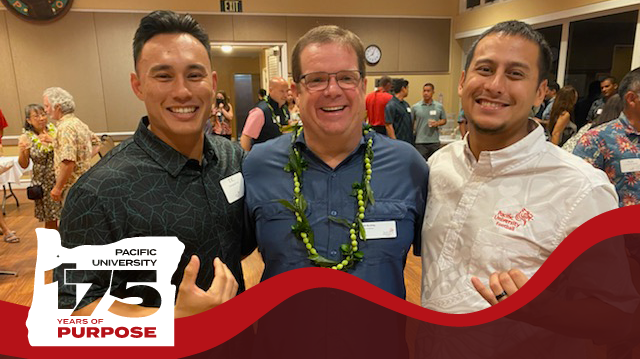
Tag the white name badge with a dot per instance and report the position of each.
(233, 187)
(409, 109)
(433, 112)
(630, 165)
(382, 229)
(599, 111)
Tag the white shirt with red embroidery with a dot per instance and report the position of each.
(509, 209)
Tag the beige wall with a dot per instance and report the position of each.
(329, 7)
(89, 54)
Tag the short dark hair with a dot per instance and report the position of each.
(398, 84)
(384, 81)
(27, 112)
(429, 84)
(630, 82)
(611, 79)
(327, 34)
(262, 92)
(167, 22)
(519, 28)
(552, 85)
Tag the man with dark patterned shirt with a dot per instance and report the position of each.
(397, 113)
(167, 180)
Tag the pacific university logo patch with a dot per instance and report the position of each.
(512, 222)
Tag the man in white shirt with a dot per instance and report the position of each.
(503, 197)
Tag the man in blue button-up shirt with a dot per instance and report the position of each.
(329, 77)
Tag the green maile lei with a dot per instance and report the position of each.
(35, 140)
(361, 191)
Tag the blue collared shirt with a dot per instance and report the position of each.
(399, 183)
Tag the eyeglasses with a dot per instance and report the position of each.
(318, 81)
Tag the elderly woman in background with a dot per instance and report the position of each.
(36, 143)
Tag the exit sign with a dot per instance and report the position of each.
(230, 6)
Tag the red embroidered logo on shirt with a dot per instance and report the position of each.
(510, 221)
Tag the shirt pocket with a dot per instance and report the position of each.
(492, 252)
(275, 238)
(387, 249)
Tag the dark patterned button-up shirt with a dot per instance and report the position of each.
(144, 187)
(613, 148)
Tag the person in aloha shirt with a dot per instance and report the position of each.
(74, 145)
(614, 148)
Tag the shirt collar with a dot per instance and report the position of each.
(426, 104)
(273, 103)
(492, 163)
(628, 128)
(301, 144)
(166, 156)
(66, 117)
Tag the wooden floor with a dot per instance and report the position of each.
(21, 257)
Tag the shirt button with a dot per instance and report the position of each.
(334, 213)
(333, 253)
(333, 175)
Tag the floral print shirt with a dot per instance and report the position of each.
(613, 148)
(73, 142)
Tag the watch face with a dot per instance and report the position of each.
(372, 54)
(38, 10)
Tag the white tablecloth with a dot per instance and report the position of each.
(10, 170)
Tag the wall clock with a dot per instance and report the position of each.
(38, 10)
(372, 54)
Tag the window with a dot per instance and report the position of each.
(599, 47)
(470, 4)
(553, 35)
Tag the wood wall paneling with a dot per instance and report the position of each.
(89, 54)
(64, 54)
(334, 7)
(219, 27)
(9, 102)
(299, 25)
(424, 45)
(115, 36)
(381, 32)
(259, 28)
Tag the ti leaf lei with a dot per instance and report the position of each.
(35, 140)
(274, 118)
(361, 191)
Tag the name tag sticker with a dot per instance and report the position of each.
(409, 109)
(379, 230)
(630, 165)
(599, 111)
(433, 112)
(233, 187)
